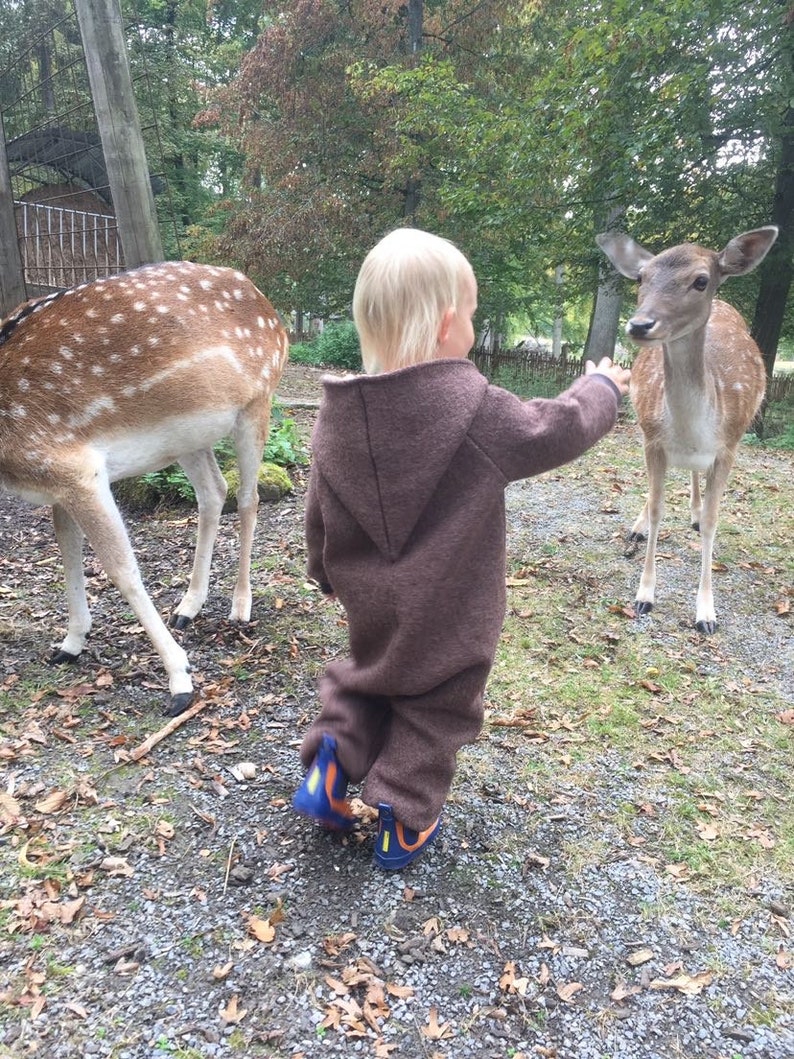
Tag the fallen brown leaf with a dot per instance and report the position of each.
(639, 957)
(10, 810)
(690, 985)
(337, 943)
(433, 1031)
(116, 866)
(262, 929)
(568, 990)
(510, 982)
(232, 1013)
(52, 802)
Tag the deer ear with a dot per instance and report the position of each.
(627, 256)
(745, 251)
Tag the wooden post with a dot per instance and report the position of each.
(12, 279)
(119, 128)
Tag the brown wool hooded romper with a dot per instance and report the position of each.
(405, 522)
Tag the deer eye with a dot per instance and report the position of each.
(701, 283)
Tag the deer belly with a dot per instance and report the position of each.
(137, 452)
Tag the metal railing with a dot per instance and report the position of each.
(62, 247)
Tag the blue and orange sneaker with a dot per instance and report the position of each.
(321, 796)
(397, 845)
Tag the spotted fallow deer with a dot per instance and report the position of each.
(696, 385)
(126, 375)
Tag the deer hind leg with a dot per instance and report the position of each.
(96, 512)
(695, 501)
(639, 531)
(716, 480)
(209, 485)
(70, 541)
(250, 437)
(654, 511)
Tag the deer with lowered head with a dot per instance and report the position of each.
(126, 375)
(696, 385)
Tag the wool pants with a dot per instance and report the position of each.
(403, 747)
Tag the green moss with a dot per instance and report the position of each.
(274, 483)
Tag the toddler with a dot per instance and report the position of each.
(405, 524)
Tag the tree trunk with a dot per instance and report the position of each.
(605, 318)
(415, 22)
(559, 312)
(776, 268)
(604, 321)
(413, 188)
(120, 128)
(12, 279)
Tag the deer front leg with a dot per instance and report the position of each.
(70, 541)
(656, 466)
(96, 512)
(705, 614)
(209, 485)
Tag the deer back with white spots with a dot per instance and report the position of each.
(696, 384)
(127, 375)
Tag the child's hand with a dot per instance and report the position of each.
(619, 375)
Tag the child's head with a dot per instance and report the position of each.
(412, 288)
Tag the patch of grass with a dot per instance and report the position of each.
(661, 725)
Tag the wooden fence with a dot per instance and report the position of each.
(525, 369)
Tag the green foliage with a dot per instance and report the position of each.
(335, 347)
(284, 446)
(773, 440)
(668, 118)
(169, 485)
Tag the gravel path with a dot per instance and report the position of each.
(212, 923)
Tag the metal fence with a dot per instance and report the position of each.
(61, 247)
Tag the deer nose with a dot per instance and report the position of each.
(640, 326)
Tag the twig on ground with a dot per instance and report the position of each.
(228, 867)
(163, 733)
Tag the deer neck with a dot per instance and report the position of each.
(690, 415)
(685, 376)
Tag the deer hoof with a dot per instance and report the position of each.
(642, 606)
(60, 658)
(696, 527)
(707, 628)
(180, 621)
(179, 703)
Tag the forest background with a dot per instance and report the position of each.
(292, 135)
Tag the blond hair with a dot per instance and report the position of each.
(406, 284)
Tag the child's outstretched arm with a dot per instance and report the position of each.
(616, 373)
(528, 437)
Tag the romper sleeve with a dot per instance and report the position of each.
(525, 438)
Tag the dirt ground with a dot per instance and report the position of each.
(175, 905)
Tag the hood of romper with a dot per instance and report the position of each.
(383, 443)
